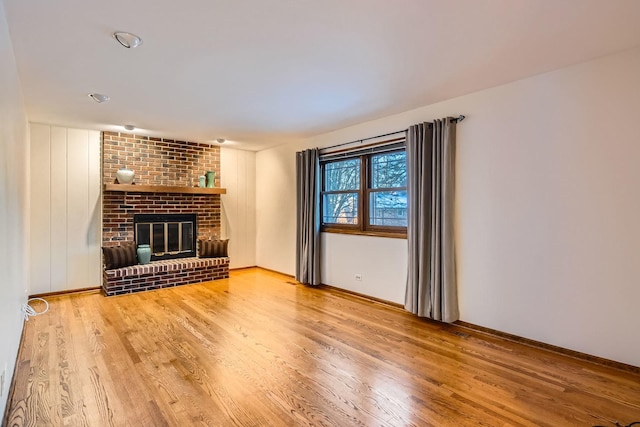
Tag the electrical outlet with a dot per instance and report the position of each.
(359, 277)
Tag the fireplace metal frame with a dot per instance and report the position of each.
(166, 219)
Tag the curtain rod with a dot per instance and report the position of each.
(457, 120)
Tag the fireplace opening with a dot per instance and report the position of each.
(169, 235)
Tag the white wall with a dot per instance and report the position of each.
(381, 263)
(238, 176)
(14, 190)
(547, 208)
(65, 209)
(276, 209)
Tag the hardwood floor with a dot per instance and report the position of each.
(255, 350)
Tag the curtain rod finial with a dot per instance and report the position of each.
(460, 118)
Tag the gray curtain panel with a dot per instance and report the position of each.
(308, 217)
(431, 279)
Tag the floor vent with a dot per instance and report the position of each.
(461, 334)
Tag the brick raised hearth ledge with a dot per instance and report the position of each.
(163, 274)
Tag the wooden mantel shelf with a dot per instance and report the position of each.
(134, 188)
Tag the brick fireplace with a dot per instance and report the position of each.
(163, 163)
(157, 161)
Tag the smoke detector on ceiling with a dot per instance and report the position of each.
(128, 40)
(220, 140)
(129, 127)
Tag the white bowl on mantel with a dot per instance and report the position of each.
(125, 176)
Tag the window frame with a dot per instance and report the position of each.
(338, 226)
(363, 227)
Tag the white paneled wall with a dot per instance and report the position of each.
(65, 209)
(238, 176)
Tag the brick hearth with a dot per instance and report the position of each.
(163, 274)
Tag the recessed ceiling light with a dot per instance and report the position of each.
(129, 127)
(220, 140)
(99, 98)
(127, 40)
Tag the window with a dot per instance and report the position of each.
(366, 193)
(388, 190)
(341, 185)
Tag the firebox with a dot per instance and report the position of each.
(168, 235)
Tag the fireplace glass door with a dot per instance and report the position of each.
(169, 236)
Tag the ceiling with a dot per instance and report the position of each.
(265, 72)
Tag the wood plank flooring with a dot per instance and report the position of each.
(255, 350)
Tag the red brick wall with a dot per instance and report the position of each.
(157, 161)
(118, 210)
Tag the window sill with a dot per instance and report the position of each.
(387, 234)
